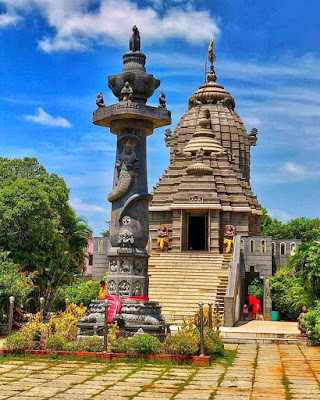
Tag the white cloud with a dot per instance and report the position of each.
(251, 121)
(280, 215)
(294, 169)
(78, 23)
(81, 206)
(8, 19)
(43, 118)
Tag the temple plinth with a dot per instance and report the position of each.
(131, 120)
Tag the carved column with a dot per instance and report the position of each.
(132, 121)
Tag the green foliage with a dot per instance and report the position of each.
(16, 341)
(256, 288)
(213, 345)
(56, 335)
(65, 324)
(142, 344)
(38, 226)
(56, 342)
(306, 265)
(78, 292)
(32, 335)
(106, 232)
(312, 324)
(12, 283)
(289, 293)
(302, 228)
(183, 342)
(91, 343)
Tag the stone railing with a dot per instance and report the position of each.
(232, 297)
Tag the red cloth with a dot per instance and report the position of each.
(116, 304)
(255, 303)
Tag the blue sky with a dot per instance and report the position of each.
(56, 55)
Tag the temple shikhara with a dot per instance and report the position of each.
(205, 240)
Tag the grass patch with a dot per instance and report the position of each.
(286, 384)
(145, 387)
(229, 358)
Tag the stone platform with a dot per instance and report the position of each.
(257, 372)
(261, 331)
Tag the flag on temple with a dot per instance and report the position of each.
(210, 49)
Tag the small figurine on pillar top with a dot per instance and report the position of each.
(229, 234)
(163, 238)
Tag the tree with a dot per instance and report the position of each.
(106, 232)
(306, 264)
(38, 226)
(12, 283)
(306, 229)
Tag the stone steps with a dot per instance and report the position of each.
(180, 280)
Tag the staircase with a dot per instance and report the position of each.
(180, 280)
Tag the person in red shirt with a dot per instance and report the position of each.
(256, 306)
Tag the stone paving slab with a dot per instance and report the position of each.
(257, 372)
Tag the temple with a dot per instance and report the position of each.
(207, 184)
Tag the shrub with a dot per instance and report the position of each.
(142, 344)
(70, 345)
(288, 293)
(183, 342)
(256, 288)
(16, 341)
(13, 282)
(78, 292)
(91, 343)
(65, 324)
(56, 342)
(213, 345)
(312, 325)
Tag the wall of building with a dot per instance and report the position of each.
(257, 255)
(282, 249)
(88, 264)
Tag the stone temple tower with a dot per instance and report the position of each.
(207, 184)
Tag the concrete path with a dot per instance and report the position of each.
(261, 330)
(270, 372)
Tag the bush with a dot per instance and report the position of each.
(56, 342)
(183, 342)
(65, 324)
(289, 293)
(91, 343)
(12, 283)
(142, 344)
(256, 288)
(78, 292)
(213, 345)
(16, 341)
(312, 325)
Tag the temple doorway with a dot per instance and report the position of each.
(197, 232)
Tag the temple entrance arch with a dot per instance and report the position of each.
(197, 232)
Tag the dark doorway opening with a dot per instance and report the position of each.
(197, 237)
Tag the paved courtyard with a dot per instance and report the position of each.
(256, 372)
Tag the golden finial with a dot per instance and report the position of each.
(211, 57)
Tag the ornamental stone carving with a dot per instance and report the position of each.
(124, 289)
(112, 289)
(196, 199)
(100, 102)
(125, 238)
(137, 289)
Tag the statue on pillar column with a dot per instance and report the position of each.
(131, 120)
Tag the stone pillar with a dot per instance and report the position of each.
(132, 121)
